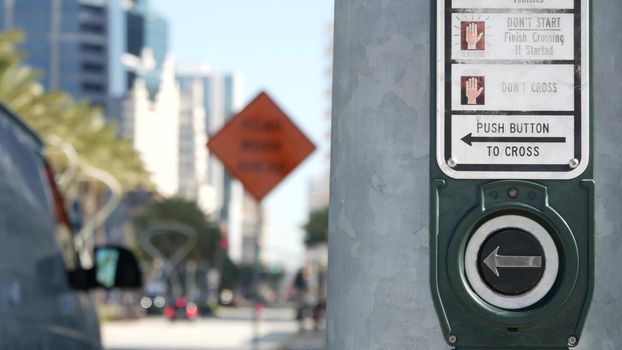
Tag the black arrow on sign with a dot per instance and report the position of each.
(470, 139)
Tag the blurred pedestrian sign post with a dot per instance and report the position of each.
(260, 146)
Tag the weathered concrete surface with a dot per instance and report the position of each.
(378, 280)
(378, 275)
(604, 325)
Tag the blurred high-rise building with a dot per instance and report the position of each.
(144, 95)
(138, 48)
(91, 49)
(209, 100)
(219, 96)
(147, 40)
(67, 40)
(193, 154)
(153, 125)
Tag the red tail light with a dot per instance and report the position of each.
(59, 203)
(192, 311)
(169, 311)
(180, 302)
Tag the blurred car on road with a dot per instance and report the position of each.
(153, 305)
(43, 284)
(180, 308)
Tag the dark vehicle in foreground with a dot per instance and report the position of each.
(180, 308)
(43, 286)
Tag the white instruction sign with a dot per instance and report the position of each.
(513, 88)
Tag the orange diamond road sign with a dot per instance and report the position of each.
(260, 146)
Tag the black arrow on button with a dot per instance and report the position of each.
(470, 139)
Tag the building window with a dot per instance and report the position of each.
(92, 10)
(92, 28)
(91, 48)
(92, 88)
(92, 68)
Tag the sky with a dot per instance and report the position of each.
(280, 47)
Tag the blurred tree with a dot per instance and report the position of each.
(231, 275)
(207, 248)
(185, 212)
(56, 115)
(316, 229)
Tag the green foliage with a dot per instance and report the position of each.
(231, 274)
(185, 212)
(55, 114)
(316, 229)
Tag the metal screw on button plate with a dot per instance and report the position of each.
(452, 162)
(573, 341)
(574, 163)
(452, 339)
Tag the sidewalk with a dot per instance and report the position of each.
(309, 340)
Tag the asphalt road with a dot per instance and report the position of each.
(309, 340)
(231, 330)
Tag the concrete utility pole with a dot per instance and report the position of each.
(604, 324)
(378, 292)
(378, 284)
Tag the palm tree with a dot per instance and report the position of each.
(55, 115)
(102, 161)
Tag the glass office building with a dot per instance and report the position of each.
(222, 97)
(66, 40)
(77, 45)
(146, 30)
